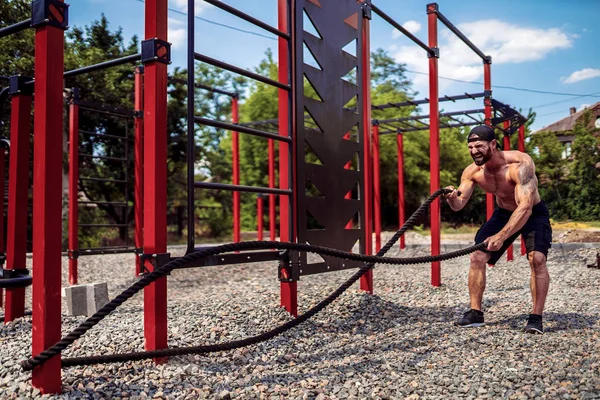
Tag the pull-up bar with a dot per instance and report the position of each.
(457, 32)
(205, 87)
(396, 25)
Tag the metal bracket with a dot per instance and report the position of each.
(156, 50)
(138, 114)
(17, 84)
(73, 254)
(436, 53)
(288, 271)
(432, 8)
(50, 12)
(157, 260)
(367, 10)
(488, 60)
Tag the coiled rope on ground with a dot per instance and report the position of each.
(164, 270)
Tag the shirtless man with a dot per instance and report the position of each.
(510, 175)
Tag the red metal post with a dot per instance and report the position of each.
(47, 203)
(138, 190)
(522, 149)
(236, 170)
(348, 195)
(434, 146)
(401, 214)
(155, 177)
(259, 216)
(288, 290)
(376, 188)
(2, 188)
(509, 251)
(272, 218)
(487, 85)
(366, 281)
(73, 191)
(18, 193)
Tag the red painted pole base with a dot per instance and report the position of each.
(509, 253)
(15, 304)
(366, 282)
(523, 249)
(289, 297)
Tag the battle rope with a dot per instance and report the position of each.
(57, 348)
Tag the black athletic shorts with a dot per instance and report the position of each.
(536, 232)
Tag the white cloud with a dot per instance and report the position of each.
(181, 5)
(411, 26)
(505, 42)
(581, 75)
(583, 107)
(177, 33)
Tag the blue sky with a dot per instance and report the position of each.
(535, 45)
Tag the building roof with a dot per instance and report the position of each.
(568, 123)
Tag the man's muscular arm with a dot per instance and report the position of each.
(525, 189)
(466, 187)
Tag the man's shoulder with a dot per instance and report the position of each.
(471, 170)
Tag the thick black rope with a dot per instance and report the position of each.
(57, 348)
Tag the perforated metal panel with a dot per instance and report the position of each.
(327, 43)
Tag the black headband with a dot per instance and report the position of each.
(482, 132)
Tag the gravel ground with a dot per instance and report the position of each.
(398, 343)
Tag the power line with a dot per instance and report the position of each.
(219, 24)
(596, 94)
(407, 70)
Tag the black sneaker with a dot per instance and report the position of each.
(534, 324)
(471, 319)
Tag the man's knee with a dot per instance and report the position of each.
(479, 259)
(537, 260)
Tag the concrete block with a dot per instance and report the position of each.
(85, 299)
(97, 297)
(76, 297)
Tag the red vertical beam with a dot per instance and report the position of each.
(2, 189)
(272, 218)
(376, 188)
(348, 195)
(522, 149)
(235, 144)
(47, 203)
(259, 216)
(487, 85)
(401, 215)
(18, 193)
(366, 281)
(73, 191)
(155, 177)
(288, 290)
(434, 146)
(509, 251)
(138, 148)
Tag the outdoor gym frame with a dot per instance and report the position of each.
(345, 20)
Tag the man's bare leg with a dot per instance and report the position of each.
(479, 261)
(539, 282)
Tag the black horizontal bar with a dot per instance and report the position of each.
(232, 258)
(4, 78)
(15, 28)
(241, 188)
(107, 250)
(242, 129)
(102, 157)
(418, 117)
(461, 36)
(16, 282)
(248, 18)
(240, 71)
(396, 25)
(111, 203)
(104, 180)
(205, 87)
(102, 225)
(425, 101)
(106, 135)
(106, 64)
(113, 110)
(424, 128)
